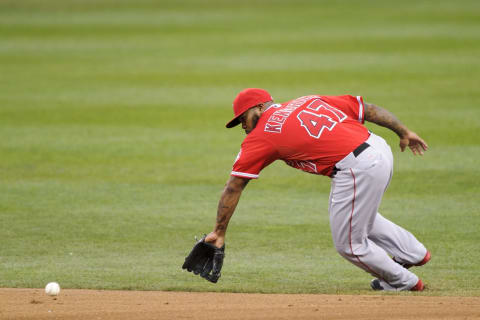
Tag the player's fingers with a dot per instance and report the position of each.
(418, 149)
(421, 143)
(414, 151)
(421, 149)
(424, 145)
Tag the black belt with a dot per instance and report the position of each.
(360, 149)
(355, 152)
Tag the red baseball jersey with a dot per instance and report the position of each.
(310, 133)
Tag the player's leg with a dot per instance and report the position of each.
(394, 239)
(349, 232)
(397, 241)
(357, 190)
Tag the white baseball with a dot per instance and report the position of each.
(52, 289)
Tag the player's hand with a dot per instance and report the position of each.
(215, 239)
(414, 142)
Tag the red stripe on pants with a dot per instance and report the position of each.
(350, 233)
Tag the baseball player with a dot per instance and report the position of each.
(324, 135)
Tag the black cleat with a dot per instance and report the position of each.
(375, 284)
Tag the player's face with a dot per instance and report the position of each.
(250, 118)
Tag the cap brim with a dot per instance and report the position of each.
(234, 122)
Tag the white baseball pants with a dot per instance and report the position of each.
(360, 234)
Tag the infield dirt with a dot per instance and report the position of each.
(96, 304)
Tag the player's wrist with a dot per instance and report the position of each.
(216, 238)
(402, 132)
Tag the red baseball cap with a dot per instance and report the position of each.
(246, 99)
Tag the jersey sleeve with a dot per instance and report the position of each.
(351, 105)
(255, 154)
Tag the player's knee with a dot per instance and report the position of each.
(354, 249)
(343, 250)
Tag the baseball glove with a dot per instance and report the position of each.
(206, 260)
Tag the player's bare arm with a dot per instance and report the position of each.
(226, 207)
(385, 118)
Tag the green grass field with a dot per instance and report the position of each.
(113, 151)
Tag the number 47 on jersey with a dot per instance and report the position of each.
(319, 116)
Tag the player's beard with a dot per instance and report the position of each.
(254, 123)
